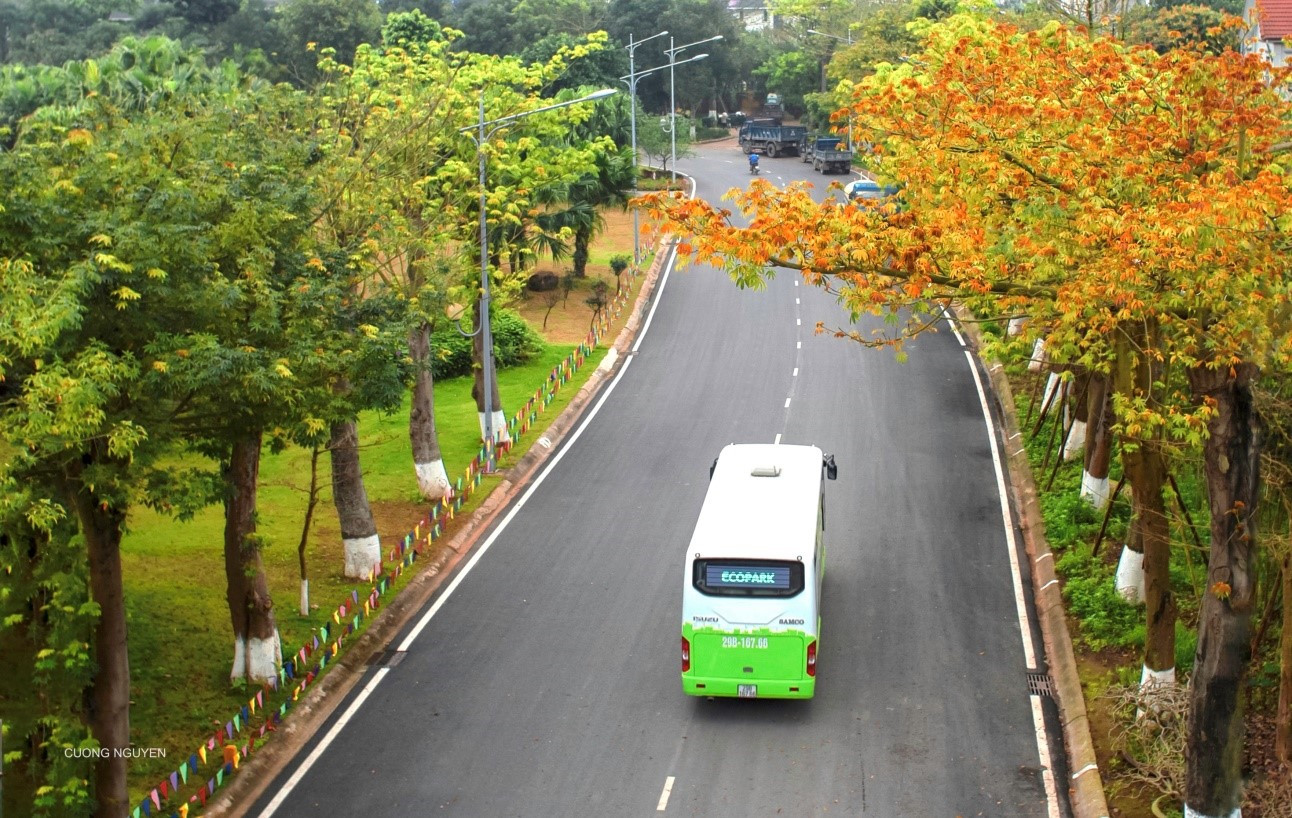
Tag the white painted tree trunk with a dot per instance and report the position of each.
(1038, 356)
(362, 556)
(1130, 576)
(1094, 489)
(1190, 812)
(432, 479)
(500, 433)
(305, 597)
(1076, 444)
(1016, 326)
(1053, 385)
(256, 659)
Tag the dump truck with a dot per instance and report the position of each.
(770, 138)
(828, 155)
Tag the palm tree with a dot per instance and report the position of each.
(610, 184)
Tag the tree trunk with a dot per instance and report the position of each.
(428, 462)
(1283, 718)
(500, 433)
(256, 650)
(1099, 441)
(582, 238)
(1075, 443)
(310, 505)
(1144, 461)
(1232, 462)
(102, 525)
(358, 528)
(1130, 568)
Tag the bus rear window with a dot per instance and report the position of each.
(779, 578)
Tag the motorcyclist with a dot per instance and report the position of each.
(753, 163)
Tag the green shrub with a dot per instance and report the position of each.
(514, 342)
(1106, 619)
(1069, 519)
(703, 132)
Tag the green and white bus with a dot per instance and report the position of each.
(751, 598)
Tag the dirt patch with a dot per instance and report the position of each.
(563, 319)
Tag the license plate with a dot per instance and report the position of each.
(747, 691)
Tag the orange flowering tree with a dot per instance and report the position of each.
(1133, 206)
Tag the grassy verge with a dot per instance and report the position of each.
(179, 631)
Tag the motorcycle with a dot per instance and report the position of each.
(753, 167)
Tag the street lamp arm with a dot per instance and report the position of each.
(671, 51)
(636, 75)
(506, 120)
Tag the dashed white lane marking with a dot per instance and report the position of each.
(798, 321)
(777, 441)
(796, 372)
(787, 403)
(663, 797)
(796, 301)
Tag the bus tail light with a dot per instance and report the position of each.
(811, 659)
(686, 655)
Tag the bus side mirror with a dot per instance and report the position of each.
(831, 470)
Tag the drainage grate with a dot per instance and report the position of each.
(1040, 684)
(387, 658)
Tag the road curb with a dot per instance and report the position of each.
(326, 695)
(1085, 783)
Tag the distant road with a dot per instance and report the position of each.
(547, 684)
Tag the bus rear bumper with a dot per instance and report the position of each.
(765, 689)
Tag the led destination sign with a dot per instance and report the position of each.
(747, 576)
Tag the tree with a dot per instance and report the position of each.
(1147, 246)
(311, 27)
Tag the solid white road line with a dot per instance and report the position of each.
(1043, 747)
(1020, 604)
(663, 797)
(273, 805)
(466, 569)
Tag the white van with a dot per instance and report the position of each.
(751, 594)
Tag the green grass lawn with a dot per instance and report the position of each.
(180, 643)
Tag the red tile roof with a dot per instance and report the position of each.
(1275, 18)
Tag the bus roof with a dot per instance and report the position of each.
(762, 503)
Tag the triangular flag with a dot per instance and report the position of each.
(174, 781)
(246, 715)
(135, 814)
(210, 787)
(183, 770)
(155, 797)
(237, 723)
(219, 777)
(164, 787)
(148, 808)
(228, 729)
(251, 703)
(260, 698)
(183, 811)
(201, 751)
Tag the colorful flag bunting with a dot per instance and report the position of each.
(174, 781)
(201, 751)
(156, 799)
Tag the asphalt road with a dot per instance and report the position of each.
(547, 683)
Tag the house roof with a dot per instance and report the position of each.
(1275, 18)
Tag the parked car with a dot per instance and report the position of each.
(868, 192)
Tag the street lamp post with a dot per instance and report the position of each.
(847, 40)
(480, 137)
(672, 51)
(632, 103)
(631, 79)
